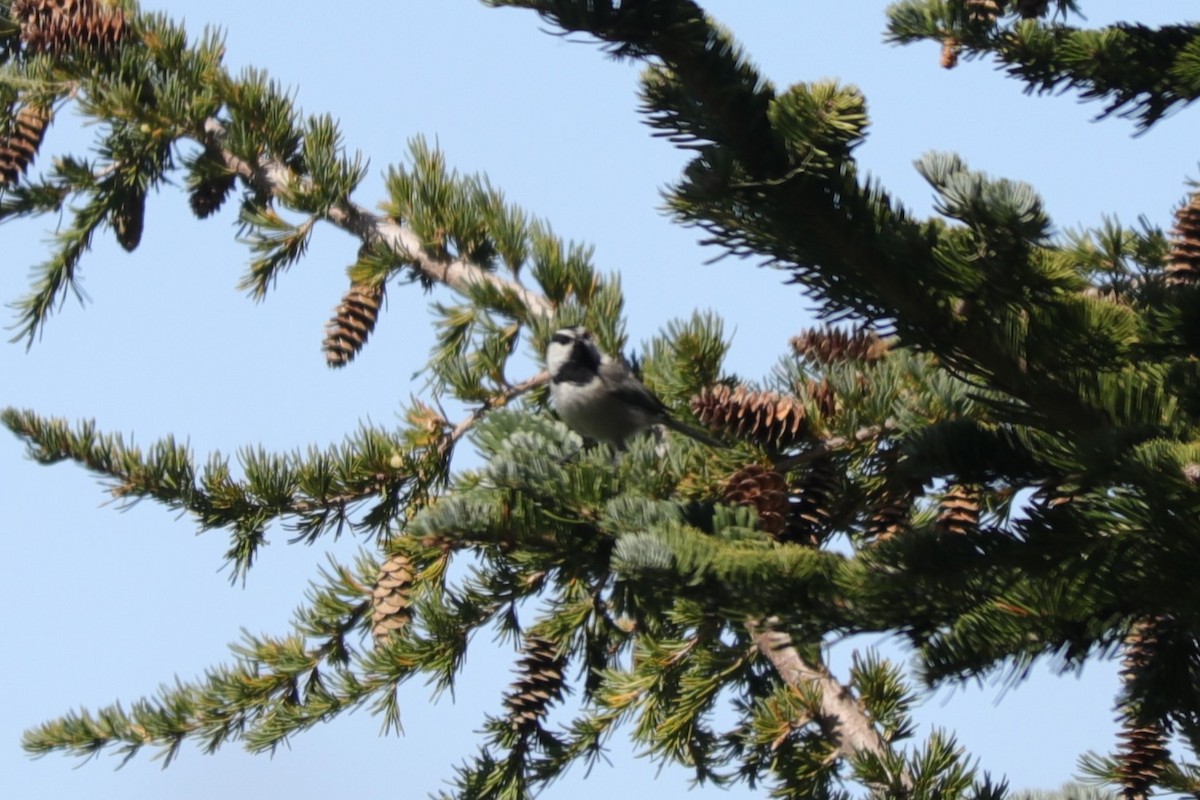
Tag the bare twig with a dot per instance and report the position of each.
(271, 176)
(833, 444)
(842, 719)
(496, 401)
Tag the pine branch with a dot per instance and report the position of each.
(997, 303)
(697, 587)
(728, 105)
(312, 494)
(496, 401)
(271, 176)
(280, 686)
(846, 240)
(842, 718)
(1138, 71)
(731, 96)
(160, 91)
(835, 444)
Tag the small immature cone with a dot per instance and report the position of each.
(391, 599)
(950, 50)
(352, 323)
(208, 197)
(17, 150)
(539, 684)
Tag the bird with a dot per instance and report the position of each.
(599, 397)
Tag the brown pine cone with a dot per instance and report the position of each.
(391, 597)
(889, 515)
(17, 150)
(1143, 756)
(56, 26)
(984, 10)
(958, 511)
(767, 418)
(353, 321)
(765, 490)
(539, 684)
(809, 512)
(209, 182)
(1183, 262)
(833, 345)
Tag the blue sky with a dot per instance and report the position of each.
(104, 605)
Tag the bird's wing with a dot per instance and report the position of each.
(633, 392)
(628, 389)
(642, 398)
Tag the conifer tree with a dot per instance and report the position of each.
(870, 481)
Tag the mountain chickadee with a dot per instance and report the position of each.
(599, 397)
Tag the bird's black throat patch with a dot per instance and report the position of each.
(581, 367)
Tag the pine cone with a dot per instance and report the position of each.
(823, 397)
(55, 26)
(207, 198)
(984, 10)
(768, 418)
(1183, 262)
(209, 183)
(763, 488)
(950, 50)
(958, 511)
(809, 512)
(1030, 9)
(1140, 649)
(890, 513)
(1143, 755)
(18, 149)
(1143, 749)
(129, 219)
(352, 323)
(539, 684)
(834, 345)
(391, 599)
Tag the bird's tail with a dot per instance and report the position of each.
(694, 433)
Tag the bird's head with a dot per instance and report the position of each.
(572, 353)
